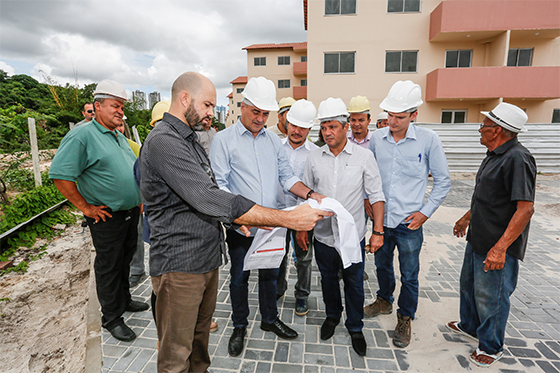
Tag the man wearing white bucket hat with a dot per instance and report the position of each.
(498, 228)
(406, 155)
(249, 160)
(299, 121)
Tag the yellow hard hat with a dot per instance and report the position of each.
(158, 110)
(358, 104)
(285, 104)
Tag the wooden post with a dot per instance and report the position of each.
(34, 151)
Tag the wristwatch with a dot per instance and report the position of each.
(311, 191)
(378, 233)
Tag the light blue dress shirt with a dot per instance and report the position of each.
(297, 158)
(253, 167)
(404, 168)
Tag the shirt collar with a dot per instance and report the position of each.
(348, 148)
(304, 145)
(410, 132)
(505, 146)
(367, 138)
(181, 127)
(241, 130)
(101, 128)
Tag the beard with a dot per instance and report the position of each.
(193, 119)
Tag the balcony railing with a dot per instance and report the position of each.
(300, 92)
(300, 68)
(483, 18)
(533, 82)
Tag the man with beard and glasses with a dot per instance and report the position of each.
(250, 160)
(185, 209)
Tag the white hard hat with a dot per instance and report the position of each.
(111, 89)
(359, 104)
(508, 116)
(382, 116)
(261, 93)
(404, 96)
(331, 109)
(302, 114)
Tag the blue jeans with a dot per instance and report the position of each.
(408, 243)
(329, 263)
(304, 259)
(238, 246)
(484, 306)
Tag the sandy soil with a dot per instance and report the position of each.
(43, 319)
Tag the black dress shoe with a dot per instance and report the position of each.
(280, 329)
(122, 332)
(236, 341)
(359, 343)
(135, 306)
(327, 329)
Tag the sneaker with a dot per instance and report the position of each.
(135, 280)
(379, 307)
(213, 326)
(301, 307)
(401, 338)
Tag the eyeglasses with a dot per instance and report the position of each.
(89, 111)
(482, 125)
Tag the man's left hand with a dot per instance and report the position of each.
(495, 260)
(416, 220)
(375, 243)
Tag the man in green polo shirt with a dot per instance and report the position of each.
(93, 170)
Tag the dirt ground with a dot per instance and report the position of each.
(43, 312)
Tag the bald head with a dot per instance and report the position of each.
(189, 82)
(193, 96)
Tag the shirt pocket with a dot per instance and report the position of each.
(413, 166)
(351, 175)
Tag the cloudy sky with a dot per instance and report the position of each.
(142, 44)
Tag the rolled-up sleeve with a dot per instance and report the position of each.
(372, 180)
(440, 172)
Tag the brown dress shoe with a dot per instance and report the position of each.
(379, 307)
(213, 326)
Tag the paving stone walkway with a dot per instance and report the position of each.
(532, 335)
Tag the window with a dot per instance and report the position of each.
(284, 83)
(520, 57)
(337, 63)
(260, 61)
(556, 116)
(239, 90)
(458, 58)
(453, 116)
(239, 104)
(303, 82)
(403, 6)
(401, 61)
(303, 59)
(335, 7)
(284, 60)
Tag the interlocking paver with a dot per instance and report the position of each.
(532, 334)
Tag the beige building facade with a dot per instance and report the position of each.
(467, 55)
(284, 64)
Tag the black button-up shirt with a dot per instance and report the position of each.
(507, 175)
(183, 202)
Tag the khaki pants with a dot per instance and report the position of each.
(184, 307)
